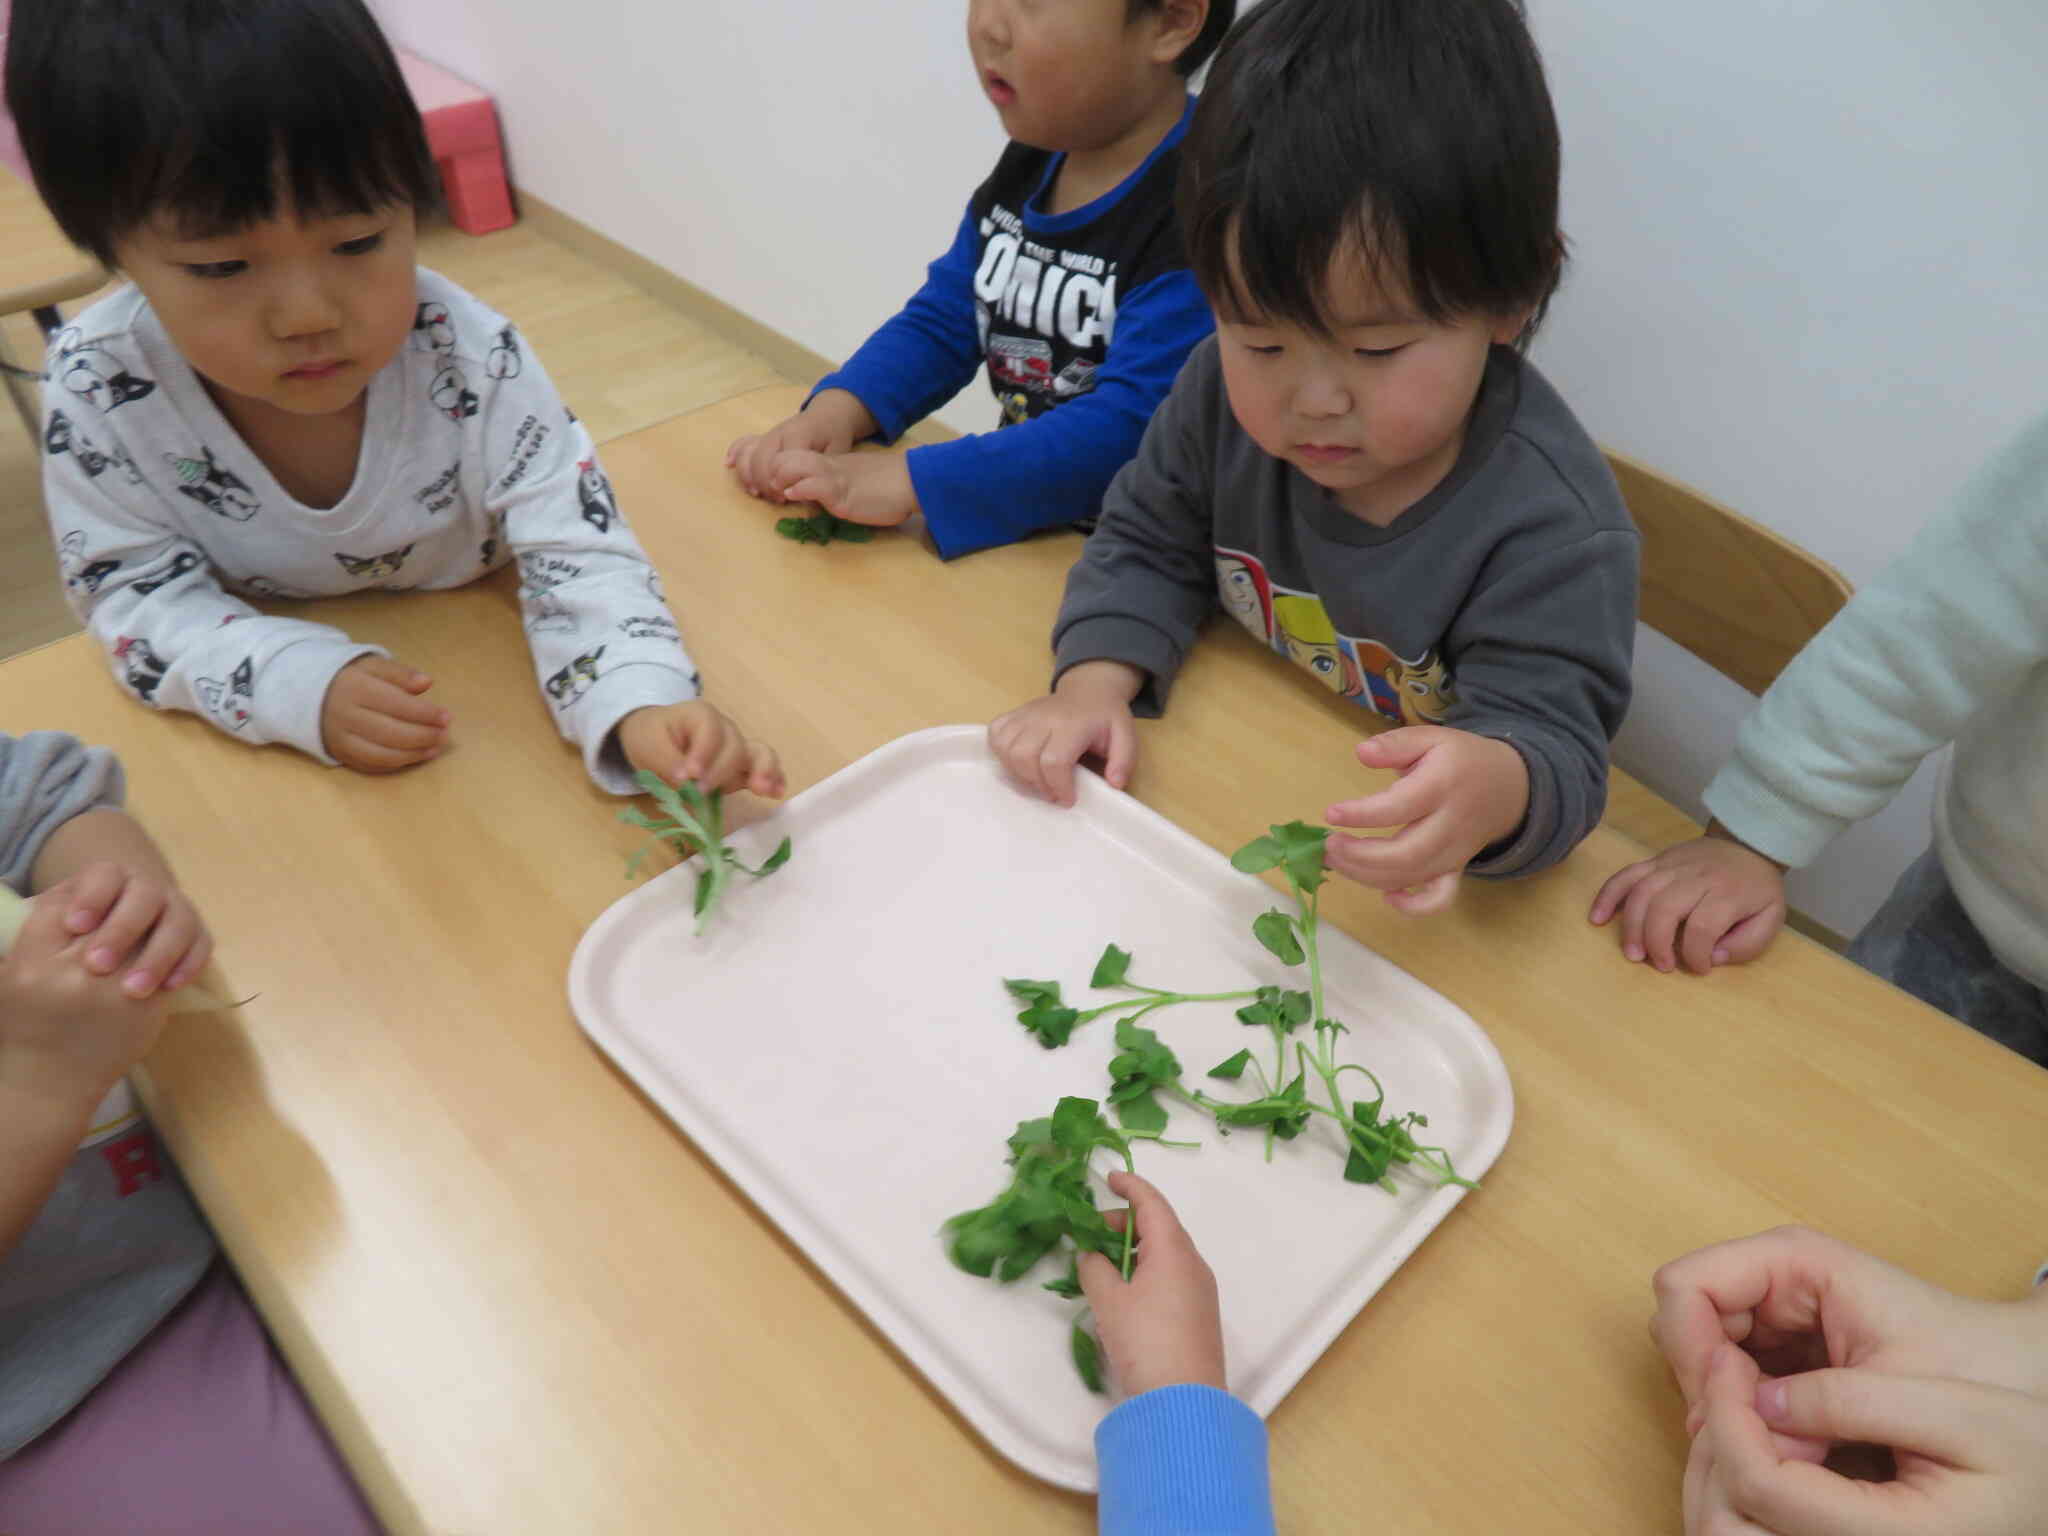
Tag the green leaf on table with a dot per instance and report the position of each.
(1053, 1026)
(1026, 991)
(1077, 1124)
(1142, 1112)
(773, 862)
(1368, 1163)
(1110, 969)
(1087, 1357)
(1232, 1068)
(1275, 929)
(852, 533)
(706, 884)
(1032, 1138)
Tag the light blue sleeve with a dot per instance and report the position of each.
(1183, 1461)
(46, 778)
(1948, 629)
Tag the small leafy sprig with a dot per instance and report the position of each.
(1050, 1205)
(1053, 1022)
(821, 527)
(695, 824)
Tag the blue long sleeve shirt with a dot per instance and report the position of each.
(1084, 319)
(1183, 1461)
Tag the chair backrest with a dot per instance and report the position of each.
(1738, 596)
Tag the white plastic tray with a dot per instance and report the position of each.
(841, 1044)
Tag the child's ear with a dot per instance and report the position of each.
(1507, 328)
(1177, 23)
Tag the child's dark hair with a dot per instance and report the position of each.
(214, 114)
(1420, 130)
(1221, 14)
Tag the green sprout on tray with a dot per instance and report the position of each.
(1050, 1205)
(695, 824)
(821, 527)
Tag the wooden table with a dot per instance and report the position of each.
(526, 1304)
(38, 266)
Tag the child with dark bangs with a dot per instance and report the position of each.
(1361, 467)
(284, 405)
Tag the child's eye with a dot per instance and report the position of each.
(362, 245)
(1379, 351)
(215, 268)
(1269, 351)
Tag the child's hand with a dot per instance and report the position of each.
(1729, 899)
(1798, 1300)
(1968, 1457)
(374, 719)
(871, 488)
(1457, 793)
(72, 1021)
(1165, 1326)
(695, 741)
(1089, 710)
(831, 423)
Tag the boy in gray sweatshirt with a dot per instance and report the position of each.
(1361, 467)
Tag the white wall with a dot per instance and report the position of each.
(1811, 269)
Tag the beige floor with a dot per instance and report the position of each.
(621, 357)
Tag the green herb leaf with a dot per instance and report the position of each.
(1069, 1284)
(1087, 1357)
(1258, 855)
(1110, 969)
(1275, 929)
(1301, 850)
(1053, 1026)
(1233, 1067)
(1033, 991)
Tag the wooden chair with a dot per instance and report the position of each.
(1738, 596)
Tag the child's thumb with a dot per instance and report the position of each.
(1101, 1281)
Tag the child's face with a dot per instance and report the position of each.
(1067, 74)
(1374, 412)
(289, 314)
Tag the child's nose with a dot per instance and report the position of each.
(303, 308)
(987, 22)
(1319, 394)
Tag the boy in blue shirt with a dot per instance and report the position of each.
(1066, 276)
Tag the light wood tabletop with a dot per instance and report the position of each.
(525, 1303)
(38, 265)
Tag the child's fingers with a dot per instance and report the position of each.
(1063, 749)
(1102, 1283)
(193, 961)
(1406, 800)
(1751, 936)
(725, 765)
(1400, 748)
(397, 673)
(1607, 901)
(1662, 915)
(1961, 1423)
(367, 756)
(822, 490)
(1418, 853)
(394, 703)
(88, 895)
(397, 734)
(1706, 928)
(169, 941)
(764, 772)
(122, 930)
(1158, 1223)
(1431, 896)
(1121, 753)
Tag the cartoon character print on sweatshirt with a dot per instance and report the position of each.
(81, 574)
(216, 489)
(546, 614)
(183, 563)
(228, 702)
(430, 322)
(1246, 594)
(573, 681)
(376, 567)
(94, 374)
(452, 395)
(263, 586)
(594, 492)
(141, 668)
(1407, 692)
(493, 543)
(505, 361)
(62, 435)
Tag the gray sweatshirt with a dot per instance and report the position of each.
(118, 1243)
(1503, 603)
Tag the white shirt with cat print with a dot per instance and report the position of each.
(165, 522)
